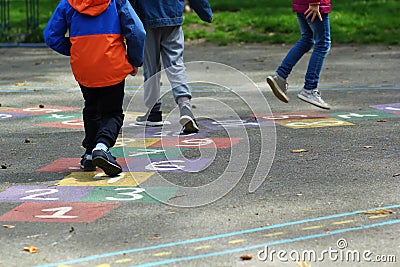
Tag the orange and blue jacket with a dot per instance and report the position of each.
(105, 39)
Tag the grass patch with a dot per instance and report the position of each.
(253, 21)
(272, 21)
(19, 31)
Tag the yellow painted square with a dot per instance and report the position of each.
(136, 142)
(101, 179)
(314, 123)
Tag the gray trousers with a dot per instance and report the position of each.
(166, 44)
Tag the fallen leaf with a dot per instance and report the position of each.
(155, 237)
(367, 147)
(298, 150)
(8, 226)
(246, 257)
(380, 211)
(20, 84)
(31, 249)
(303, 264)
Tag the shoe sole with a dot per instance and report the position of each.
(189, 126)
(305, 99)
(88, 169)
(277, 92)
(108, 167)
(150, 123)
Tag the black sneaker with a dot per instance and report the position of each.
(151, 118)
(87, 164)
(187, 120)
(106, 162)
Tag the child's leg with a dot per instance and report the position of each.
(110, 108)
(91, 118)
(299, 49)
(172, 47)
(151, 67)
(322, 37)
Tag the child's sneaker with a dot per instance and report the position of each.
(87, 164)
(106, 162)
(313, 97)
(151, 118)
(279, 87)
(187, 120)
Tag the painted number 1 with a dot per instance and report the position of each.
(58, 214)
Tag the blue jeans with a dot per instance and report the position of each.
(315, 34)
(166, 44)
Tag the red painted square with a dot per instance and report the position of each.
(196, 142)
(68, 124)
(297, 115)
(69, 165)
(58, 212)
(36, 110)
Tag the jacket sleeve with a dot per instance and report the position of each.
(202, 9)
(55, 30)
(133, 30)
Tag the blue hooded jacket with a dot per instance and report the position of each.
(161, 13)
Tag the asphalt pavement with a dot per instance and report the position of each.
(263, 183)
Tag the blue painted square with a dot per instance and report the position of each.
(391, 108)
(37, 193)
(4, 115)
(232, 124)
(167, 165)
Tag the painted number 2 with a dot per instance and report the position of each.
(39, 196)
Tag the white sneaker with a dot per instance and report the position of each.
(313, 97)
(279, 87)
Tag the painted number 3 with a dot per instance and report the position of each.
(134, 194)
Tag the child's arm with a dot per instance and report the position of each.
(54, 33)
(133, 30)
(202, 9)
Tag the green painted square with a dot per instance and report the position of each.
(130, 194)
(363, 115)
(153, 153)
(58, 117)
